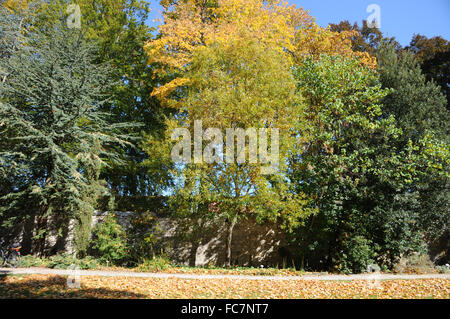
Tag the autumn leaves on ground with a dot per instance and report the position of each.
(49, 286)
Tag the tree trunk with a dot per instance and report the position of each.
(27, 238)
(231, 225)
(61, 241)
(42, 225)
(42, 217)
(193, 253)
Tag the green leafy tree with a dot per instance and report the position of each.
(434, 57)
(353, 166)
(120, 29)
(417, 104)
(420, 110)
(239, 84)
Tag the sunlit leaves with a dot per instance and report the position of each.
(276, 25)
(47, 286)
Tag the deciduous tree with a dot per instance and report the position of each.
(190, 24)
(434, 57)
(239, 84)
(361, 170)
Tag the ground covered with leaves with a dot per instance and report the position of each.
(226, 271)
(50, 286)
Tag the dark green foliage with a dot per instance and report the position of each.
(434, 57)
(416, 74)
(110, 241)
(122, 46)
(130, 245)
(432, 54)
(55, 137)
(120, 29)
(137, 204)
(416, 103)
(360, 169)
(62, 261)
(82, 232)
(356, 255)
(142, 236)
(420, 110)
(67, 261)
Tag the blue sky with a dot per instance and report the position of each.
(399, 18)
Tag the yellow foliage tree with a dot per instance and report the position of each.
(230, 64)
(15, 5)
(274, 24)
(237, 85)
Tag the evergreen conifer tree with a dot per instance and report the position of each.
(54, 136)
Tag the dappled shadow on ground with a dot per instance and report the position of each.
(51, 287)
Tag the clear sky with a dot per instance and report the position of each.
(399, 18)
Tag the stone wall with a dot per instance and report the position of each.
(253, 244)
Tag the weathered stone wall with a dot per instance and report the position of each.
(252, 245)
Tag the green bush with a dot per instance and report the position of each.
(141, 237)
(157, 263)
(442, 269)
(110, 241)
(357, 254)
(62, 261)
(31, 261)
(65, 261)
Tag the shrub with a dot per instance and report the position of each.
(65, 261)
(443, 269)
(110, 241)
(141, 237)
(157, 263)
(62, 261)
(415, 263)
(357, 254)
(31, 261)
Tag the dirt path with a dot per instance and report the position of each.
(63, 272)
